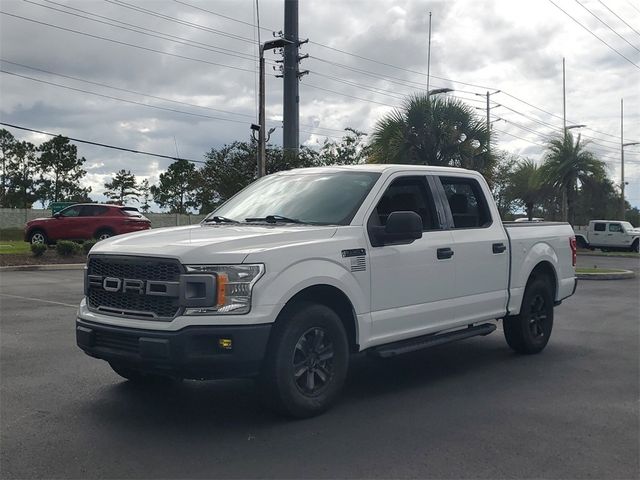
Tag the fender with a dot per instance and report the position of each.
(539, 253)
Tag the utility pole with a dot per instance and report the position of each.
(488, 96)
(429, 56)
(291, 100)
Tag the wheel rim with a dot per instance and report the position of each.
(37, 238)
(313, 361)
(104, 236)
(538, 317)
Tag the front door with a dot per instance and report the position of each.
(412, 283)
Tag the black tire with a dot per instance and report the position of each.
(307, 361)
(529, 332)
(38, 236)
(635, 246)
(138, 377)
(104, 234)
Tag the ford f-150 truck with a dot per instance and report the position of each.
(303, 268)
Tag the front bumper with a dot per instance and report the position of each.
(192, 352)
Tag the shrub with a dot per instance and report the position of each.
(66, 248)
(86, 246)
(38, 249)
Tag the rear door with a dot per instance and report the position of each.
(616, 236)
(598, 235)
(412, 283)
(481, 249)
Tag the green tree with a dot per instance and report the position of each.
(433, 131)
(145, 193)
(597, 198)
(7, 146)
(123, 187)
(61, 171)
(21, 174)
(350, 150)
(177, 187)
(567, 165)
(501, 186)
(527, 186)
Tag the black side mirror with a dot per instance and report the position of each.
(401, 227)
(56, 215)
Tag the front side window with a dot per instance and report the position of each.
(468, 206)
(71, 211)
(407, 194)
(615, 227)
(330, 198)
(600, 227)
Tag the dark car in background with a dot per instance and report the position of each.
(86, 221)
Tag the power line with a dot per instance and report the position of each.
(349, 96)
(124, 89)
(136, 28)
(223, 16)
(592, 33)
(133, 102)
(126, 44)
(98, 144)
(607, 25)
(619, 17)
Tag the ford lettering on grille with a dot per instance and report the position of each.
(133, 285)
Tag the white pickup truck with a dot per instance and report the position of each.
(609, 235)
(303, 268)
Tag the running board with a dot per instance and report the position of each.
(427, 341)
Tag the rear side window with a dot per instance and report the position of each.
(600, 227)
(407, 194)
(468, 206)
(615, 227)
(92, 210)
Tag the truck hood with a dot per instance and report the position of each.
(211, 244)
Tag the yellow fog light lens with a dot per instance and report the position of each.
(225, 343)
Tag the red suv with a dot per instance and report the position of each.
(84, 222)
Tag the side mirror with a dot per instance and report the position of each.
(56, 215)
(401, 227)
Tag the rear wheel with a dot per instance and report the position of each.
(38, 236)
(104, 234)
(307, 362)
(529, 331)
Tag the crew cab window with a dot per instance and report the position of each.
(407, 194)
(615, 227)
(600, 227)
(71, 212)
(468, 206)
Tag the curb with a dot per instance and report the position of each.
(53, 266)
(622, 275)
(587, 253)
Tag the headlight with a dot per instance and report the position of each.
(234, 284)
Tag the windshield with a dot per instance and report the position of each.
(627, 226)
(316, 198)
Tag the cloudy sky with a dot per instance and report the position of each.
(169, 76)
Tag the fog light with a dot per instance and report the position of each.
(225, 343)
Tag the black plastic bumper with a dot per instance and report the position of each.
(193, 352)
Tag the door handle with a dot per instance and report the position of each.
(498, 247)
(444, 253)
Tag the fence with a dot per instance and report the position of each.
(17, 217)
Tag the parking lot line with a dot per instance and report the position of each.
(39, 300)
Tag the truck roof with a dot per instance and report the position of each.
(374, 167)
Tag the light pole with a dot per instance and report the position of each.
(436, 91)
(262, 134)
(622, 206)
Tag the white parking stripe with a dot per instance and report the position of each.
(39, 300)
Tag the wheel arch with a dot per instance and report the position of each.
(334, 298)
(103, 228)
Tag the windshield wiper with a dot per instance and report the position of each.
(218, 219)
(273, 219)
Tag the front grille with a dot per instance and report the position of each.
(130, 303)
(116, 341)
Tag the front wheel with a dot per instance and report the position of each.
(307, 361)
(635, 246)
(529, 331)
(38, 236)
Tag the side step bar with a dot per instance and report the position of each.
(427, 341)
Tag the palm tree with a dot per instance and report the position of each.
(566, 164)
(527, 186)
(432, 131)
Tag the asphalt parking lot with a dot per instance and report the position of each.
(467, 410)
